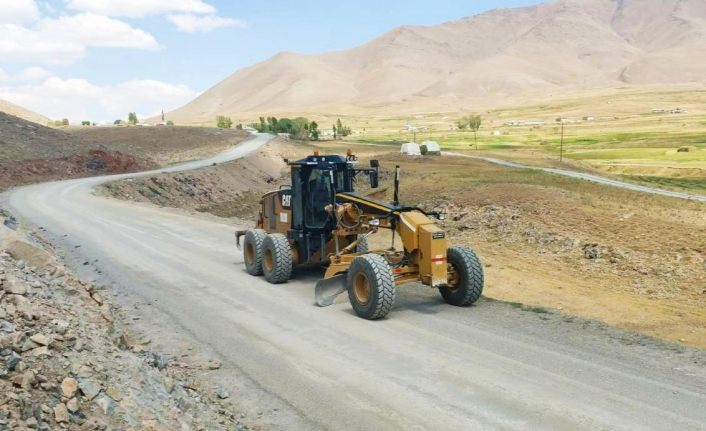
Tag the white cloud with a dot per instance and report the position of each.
(65, 39)
(28, 74)
(206, 23)
(140, 8)
(33, 74)
(18, 11)
(79, 99)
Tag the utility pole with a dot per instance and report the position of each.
(561, 145)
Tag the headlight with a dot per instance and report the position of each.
(374, 222)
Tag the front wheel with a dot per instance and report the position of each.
(371, 286)
(465, 277)
(276, 258)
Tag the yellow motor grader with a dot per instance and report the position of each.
(320, 219)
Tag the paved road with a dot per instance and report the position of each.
(589, 177)
(427, 366)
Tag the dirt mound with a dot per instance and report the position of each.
(32, 153)
(232, 189)
(25, 140)
(94, 162)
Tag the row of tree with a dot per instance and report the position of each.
(298, 128)
(340, 130)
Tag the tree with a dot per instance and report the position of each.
(474, 122)
(223, 122)
(462, 123)
(118, 122)
(314, 131)
(132, 118)
(85, 123)
(64, 121)
(335, 136)
(239, 126)
(170, 123)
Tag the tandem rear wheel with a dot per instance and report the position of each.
(276, 258)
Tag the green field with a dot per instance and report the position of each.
(616, 134)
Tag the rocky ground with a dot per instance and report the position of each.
(69, 360)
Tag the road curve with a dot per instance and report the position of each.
(588, 177)
(427, 366)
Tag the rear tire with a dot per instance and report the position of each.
(467, 277)
(252, 250)
(371, 286)
(276, 258)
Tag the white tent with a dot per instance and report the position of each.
(411, 149)
(432, 147)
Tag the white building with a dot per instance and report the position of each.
(411, 149)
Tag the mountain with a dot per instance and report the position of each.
(25, 114)
(497, 55)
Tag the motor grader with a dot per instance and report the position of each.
(321, 220)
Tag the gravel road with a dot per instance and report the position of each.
(427, 366)
(589, 177)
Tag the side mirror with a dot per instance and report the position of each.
(373, 178)
(374, 164)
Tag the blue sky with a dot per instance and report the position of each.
(99, 59)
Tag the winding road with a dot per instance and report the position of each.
(428, 366)
(588, 177)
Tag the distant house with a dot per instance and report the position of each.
(411, 149)
(588, 118)
(658, 111)
(284, 135)
(515, 123)
(679, 111)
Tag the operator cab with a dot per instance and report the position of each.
(315, 182)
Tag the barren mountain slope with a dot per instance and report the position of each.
(25, 114)
(502, 53)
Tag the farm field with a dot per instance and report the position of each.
(627, 134)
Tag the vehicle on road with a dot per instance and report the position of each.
(320, 219)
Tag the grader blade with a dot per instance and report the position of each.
(328, 289)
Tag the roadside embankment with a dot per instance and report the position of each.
(68, 358)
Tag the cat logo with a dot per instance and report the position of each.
(286, 201)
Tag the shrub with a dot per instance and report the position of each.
(424, 150)
(224, 122)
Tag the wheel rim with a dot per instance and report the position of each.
(361, 288)
(249, 254)
(452, 277)
(269, 261)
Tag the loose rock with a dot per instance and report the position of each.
(69, 387)
(61, 414)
